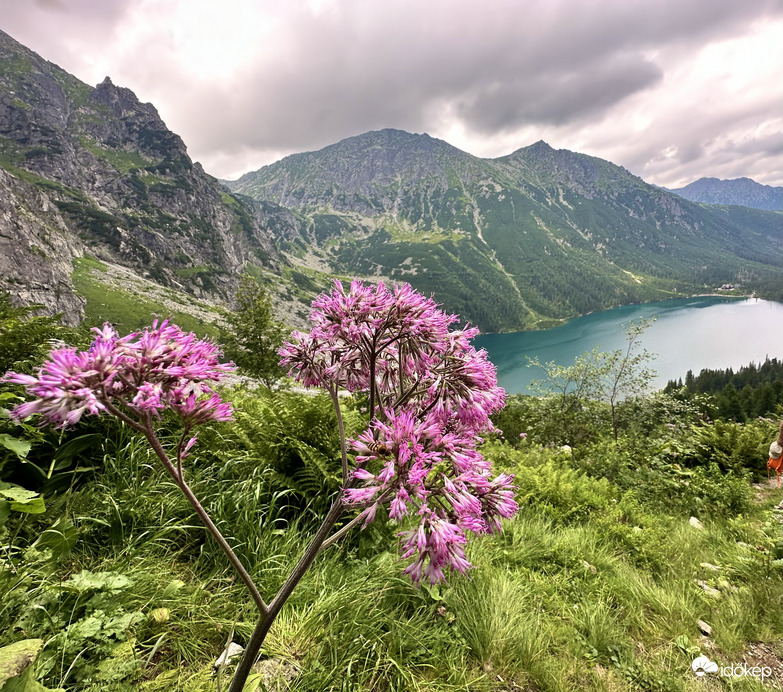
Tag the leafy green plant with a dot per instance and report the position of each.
(25, 337)
(14, 498)
(733, 446)
(291, 440)
(564, 493)
(85, 623)
(252, 336)
(597, 376)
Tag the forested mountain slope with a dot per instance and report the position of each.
(516, 242)
(536, 236)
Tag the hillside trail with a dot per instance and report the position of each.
(767, 490)
(767, 654)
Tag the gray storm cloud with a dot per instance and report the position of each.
(493, 71)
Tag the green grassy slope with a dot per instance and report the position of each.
(598, 584)
(555, 233)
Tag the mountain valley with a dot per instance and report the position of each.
(97, 195)
(516, 242)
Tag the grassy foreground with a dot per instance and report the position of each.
(598, 584)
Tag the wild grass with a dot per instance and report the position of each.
(127, 311)
(593, 586)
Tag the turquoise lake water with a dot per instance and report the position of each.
(689, 334)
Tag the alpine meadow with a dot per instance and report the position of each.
(248, 442)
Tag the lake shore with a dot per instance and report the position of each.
(555, 322)
(692, 333)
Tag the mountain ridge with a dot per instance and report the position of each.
(744, 192)
(103, 169)
(521, 241)
(559, 232)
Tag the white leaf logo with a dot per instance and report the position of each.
(703, 665)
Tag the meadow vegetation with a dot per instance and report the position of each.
(129, 309)
(599, 582)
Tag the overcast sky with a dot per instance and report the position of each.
(671, 89)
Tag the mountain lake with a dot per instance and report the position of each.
(712, 332)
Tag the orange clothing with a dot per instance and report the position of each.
(777, 465)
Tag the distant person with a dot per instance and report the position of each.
(776, 456)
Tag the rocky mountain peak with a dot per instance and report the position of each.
(126, 122)
(121, 102)
(95, 170)
(539, 147)
(739, 191)
(371, 172)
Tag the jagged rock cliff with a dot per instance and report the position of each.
(93, 169)
(37, 249)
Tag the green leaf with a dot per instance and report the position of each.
(14, 444)
(118, 626)
(75, 447)
(98, 581)
(5, 511)
(172, 587)
(685, 645)
(22, 500)
(26, 682)
(60, 539)
(88, 628)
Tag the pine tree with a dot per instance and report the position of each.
(253, 336)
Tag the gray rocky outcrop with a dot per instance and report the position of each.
(94, 170)
(36, 250)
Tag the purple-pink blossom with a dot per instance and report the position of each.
(141, 374)
(430, 394)
(436, 544)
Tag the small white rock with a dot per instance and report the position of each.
(709, 566)
(695, 523)
(590, 568)
(713, 593)
(231, 652)
(705, 628)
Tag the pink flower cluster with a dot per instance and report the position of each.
(430, 397)
(145, 373)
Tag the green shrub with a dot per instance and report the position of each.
(292, 436)
(564, 493)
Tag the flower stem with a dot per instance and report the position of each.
(268, 616)
(236, 563)
(341, 429)
(358, 519)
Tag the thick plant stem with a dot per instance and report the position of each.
(267, 618)
(372, 382)
(207, 521)
(341, 430)
(262, 628)
(146, 429)
(351, 525)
